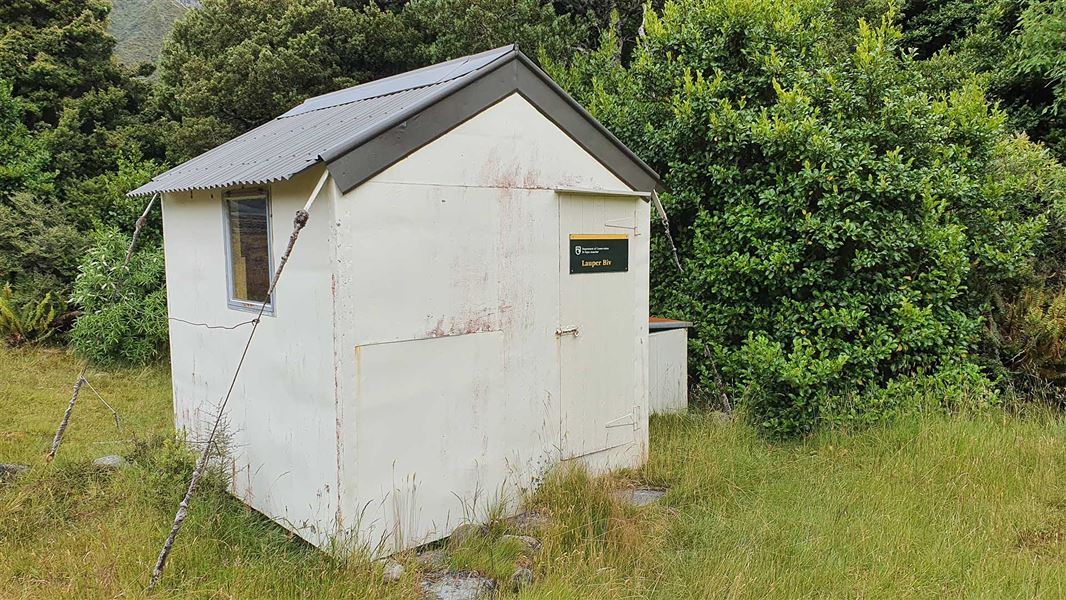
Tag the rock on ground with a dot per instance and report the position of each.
(459, 586)
(12, 469)
(639, 496)
(530, 544)
(112, 461)
(521, 578)
(467, 531)
(391, 571)
(529, 521)
(432, 560)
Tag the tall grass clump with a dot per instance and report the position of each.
(595, 543)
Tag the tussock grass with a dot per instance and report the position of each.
(964, 506)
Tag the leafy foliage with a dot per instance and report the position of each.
(841, 226)
(234, 64)
(931, 25)
(1017, 45)
(243, 62)
(29, 323)
(446, 29)
(39, 248)
(1030, 334)
(125, 313)
(618, 18)
(23, 159)
(52, 50)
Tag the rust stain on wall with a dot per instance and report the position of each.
(464, 324)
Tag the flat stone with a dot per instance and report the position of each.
(459, 586)
(12, 469)
(432, 560)
(467, 531)
(529, 543)
(111, 461)
(529, 521)
(391, 571)
(641, 496)
(522, 577)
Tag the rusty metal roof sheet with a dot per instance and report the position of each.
(289, 144)
(659, 323)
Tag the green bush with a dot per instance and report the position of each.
(842, 226)
(125, 311)
(39, 248)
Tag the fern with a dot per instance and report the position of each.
(1031, 336)
(29, 323)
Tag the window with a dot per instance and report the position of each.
(248, 248)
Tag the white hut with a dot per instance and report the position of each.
(466, 307)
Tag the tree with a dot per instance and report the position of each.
(52, 50)
(1037, 73)
(235, 64)
(23, 159)
(841, 227)
(1016, 44)
(85, 108)
(929, 26)
(448, 29)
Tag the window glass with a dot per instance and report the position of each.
(249, 246)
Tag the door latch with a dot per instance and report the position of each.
(570, 331)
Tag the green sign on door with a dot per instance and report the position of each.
(599, 252)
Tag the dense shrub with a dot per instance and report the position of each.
(23, 158)
(125, 311)
(39, 248)
(842, 227)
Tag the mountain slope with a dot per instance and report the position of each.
(140, 26)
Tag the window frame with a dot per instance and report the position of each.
(232, 301)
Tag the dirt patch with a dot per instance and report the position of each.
(1044, 540)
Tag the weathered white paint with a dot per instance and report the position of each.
(668, 370)
(412, 374)
(281, 417)
(604, 366)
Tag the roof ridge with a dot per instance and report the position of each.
(446, 93)
(434, 74)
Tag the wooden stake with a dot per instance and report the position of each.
(58, 439)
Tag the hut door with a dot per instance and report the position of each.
(597, 335)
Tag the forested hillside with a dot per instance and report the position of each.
(140, 26)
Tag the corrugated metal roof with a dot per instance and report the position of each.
(291, 143)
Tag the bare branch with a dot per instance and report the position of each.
(201, 463)
(116, 286)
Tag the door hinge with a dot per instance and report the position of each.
(570, 331)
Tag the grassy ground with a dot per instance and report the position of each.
(943, 507)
